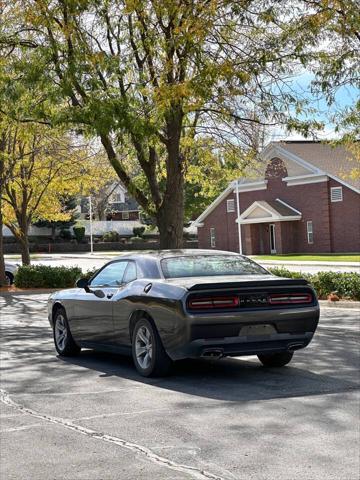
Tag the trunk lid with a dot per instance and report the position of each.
(232, 281)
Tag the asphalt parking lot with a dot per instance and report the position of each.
(93, 418)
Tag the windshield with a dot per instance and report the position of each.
(209, 265)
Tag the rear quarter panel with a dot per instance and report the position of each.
(163, 303)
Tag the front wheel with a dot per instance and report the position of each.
(148, 352)
(64, 342)
(276, 359)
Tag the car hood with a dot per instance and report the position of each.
(197, 283)
(66, 293)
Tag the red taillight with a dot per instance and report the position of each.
(206, 303)
(289, 298)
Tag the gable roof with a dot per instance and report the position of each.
(335, 161)
(213, 205)
(271, 210)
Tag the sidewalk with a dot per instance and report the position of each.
(52, 256)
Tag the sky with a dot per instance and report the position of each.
(345, 97)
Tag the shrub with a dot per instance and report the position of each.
(44, 276)
(138, 231)
(136, 239)
(111, 237)
(89, 273)
(284, 272)
(65, 234)
(345, 284)
(79, 233)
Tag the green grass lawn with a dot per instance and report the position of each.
(326, 257)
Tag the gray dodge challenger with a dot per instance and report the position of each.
(169, 305)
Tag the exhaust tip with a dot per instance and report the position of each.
(295, 346)
(213, 353)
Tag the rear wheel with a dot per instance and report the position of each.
(64, 342)
(148, 352)
(276, 359)
(9, 278)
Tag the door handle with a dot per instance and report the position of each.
(109, 295)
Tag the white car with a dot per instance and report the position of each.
(10, 270)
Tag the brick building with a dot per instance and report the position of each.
(302, 200)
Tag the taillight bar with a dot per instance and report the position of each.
(206, 303)
(289, 298)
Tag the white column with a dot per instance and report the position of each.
(91, 229)
(238, 216)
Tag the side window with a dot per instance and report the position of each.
(310, 231)
(212, 238)
(130, 273)
(110, 276)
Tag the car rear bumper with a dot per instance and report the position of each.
(250, 333)
(237, 346)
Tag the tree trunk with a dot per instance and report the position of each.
(2, 260)
(170, 216)
(170, 221)
(23, 240)
(25, 251)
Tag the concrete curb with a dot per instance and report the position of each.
(30, 291)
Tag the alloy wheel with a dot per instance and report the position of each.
(60, 332)
(143, 347)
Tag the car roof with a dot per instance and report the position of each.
(160, 254)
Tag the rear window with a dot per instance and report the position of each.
(209, 265)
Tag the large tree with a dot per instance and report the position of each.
(40, 167)
(3, 280)
(328, 37)
(149, 76)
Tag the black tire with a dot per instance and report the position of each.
(276, 359)
(158, 364)
(64, 344)
(9, 278)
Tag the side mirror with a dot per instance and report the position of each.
(83, 283)
(98, 293)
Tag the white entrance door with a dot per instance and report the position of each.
(272, 238)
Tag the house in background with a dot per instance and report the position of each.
(112, 203)
(301, 201)
(121, 206)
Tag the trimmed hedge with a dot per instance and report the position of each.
(89, 273)
(111, 236)
(79, 233)
(137, 240)
(344, 284)
(139, 231)
(43, 276)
